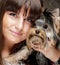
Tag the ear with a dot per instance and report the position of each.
(56, 12)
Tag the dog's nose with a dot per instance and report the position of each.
(37, 31)
(45, 26)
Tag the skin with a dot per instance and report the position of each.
(15, 29)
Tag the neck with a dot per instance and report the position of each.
(5, 53)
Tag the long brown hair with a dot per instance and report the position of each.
(15, 5)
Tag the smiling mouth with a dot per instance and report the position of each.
(15, 33)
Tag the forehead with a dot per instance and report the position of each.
(24, 9)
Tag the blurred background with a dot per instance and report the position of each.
(51, 4)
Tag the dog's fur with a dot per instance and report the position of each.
(48, 27)
(53, 19)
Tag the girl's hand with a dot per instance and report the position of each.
(49, 51)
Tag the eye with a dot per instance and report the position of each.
(45, 26)
(12, 14)
(28, 19)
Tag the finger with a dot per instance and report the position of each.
(51, 42)
(38, 48)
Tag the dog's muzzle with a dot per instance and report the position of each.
(36, 36)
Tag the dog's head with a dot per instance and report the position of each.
(40, 33)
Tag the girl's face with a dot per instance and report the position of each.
(15, 26)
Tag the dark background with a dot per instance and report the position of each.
(51, 4)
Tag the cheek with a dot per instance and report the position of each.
(7, 22)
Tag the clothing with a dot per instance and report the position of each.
(35, 58)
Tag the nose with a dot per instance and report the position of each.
(37, 31)
(20, 24)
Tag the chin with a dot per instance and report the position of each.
(16, 40)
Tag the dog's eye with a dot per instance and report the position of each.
(45, 26)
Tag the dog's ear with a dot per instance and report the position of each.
(56, 12)
(56, 22)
